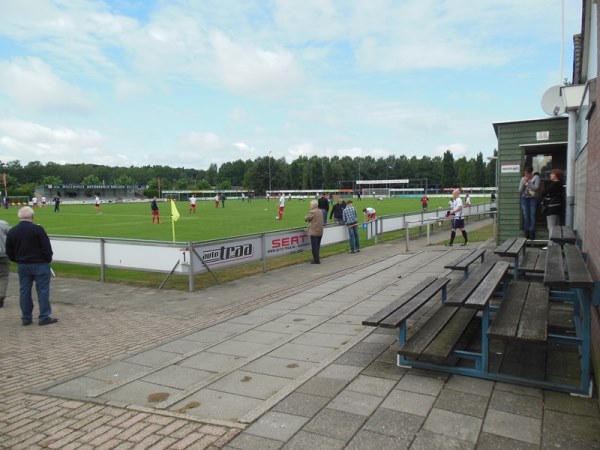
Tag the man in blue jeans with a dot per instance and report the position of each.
(351, 221)
(28, 245)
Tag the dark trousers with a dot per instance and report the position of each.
(315, 245)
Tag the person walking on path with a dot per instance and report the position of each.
(281, 206)
(337, 210)
(457, 221)
(315, 230)
(28, 245)
(4, 261)
(552, 199)
(528, 190)
(351, 221)
(155, 212)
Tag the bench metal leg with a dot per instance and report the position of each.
(516, 268)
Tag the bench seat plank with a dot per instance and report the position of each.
(465, 260)
(459, 296)
(531, 260)
(533, 326)
(408, 309)
(481, 296)
(540, 265)
(424, 335)
(380, 315)
(503, 248)
(579, 276)
(443, 344)
(516, 247)
(555, 270)
(506, 322)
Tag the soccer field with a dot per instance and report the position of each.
(134, 220)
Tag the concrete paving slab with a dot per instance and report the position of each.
(322, 309)
(305, 405)
(367, 440)
(78, 387)
(302, 352)
(326, 387)
(560, 401)
(336, 424)
(409, 402)
(230, 327)
(394, 423)
(580, 427)
(519, 390)
(284, 327)
(521, 428)
(357, 359)
(207, 336)
(278, 426)
(151, 358)
(304, 440)
(279, 367)
(340, 372)
(494, 442)
(382, 369)
(210, 404)
(181, 346)
(470, 385)
(355, 403)
(140, 393)
(322, 339)
(211, 362)
(261, 337)
(522, 405)
(462, 402)
(347, 319)
(453, 425)
(250, 384)
(426, 440)
(421, 385)
(116, 371)
(299, 318)
(379, 387)
(237, 348)
(178, 377)
(247, 441)
(336, 328)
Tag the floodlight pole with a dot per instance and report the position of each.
(269, 172)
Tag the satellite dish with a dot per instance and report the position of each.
(553, 103)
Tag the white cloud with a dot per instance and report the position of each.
(32, 85)
(202, 141)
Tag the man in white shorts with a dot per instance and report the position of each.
(457, 221)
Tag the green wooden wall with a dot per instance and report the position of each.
(511, 138)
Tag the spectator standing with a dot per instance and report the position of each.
(552, 199)
(29, 246)
(56, 202)
(457, 221)
(528, 190)
(192, 204)
(97, 203)
(468, 201)
(337, 211)
(281, 206)
(315, 230)
(155, 212)
(324, 207)
(4, 261)
(351, 221)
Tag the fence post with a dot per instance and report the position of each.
(264, 252)
(428, 232)
(191, 280)
(102, 261)
(406, 234)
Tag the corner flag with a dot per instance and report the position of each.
(174, 216)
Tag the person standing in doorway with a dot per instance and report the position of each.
(315, 230)
(457, 221)
(155, 212)
(28, 245)
(528, 190)
(552, 199)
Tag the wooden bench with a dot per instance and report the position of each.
(534, 262)
(513, 248)
(437, 338)
(523, 314)
(464, 261)
(563, 235)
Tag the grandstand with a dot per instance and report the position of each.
(78, 193)
(208, 194)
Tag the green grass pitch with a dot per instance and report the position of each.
(133, 220)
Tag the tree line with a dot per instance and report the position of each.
(261, 174)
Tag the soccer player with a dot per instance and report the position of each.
(217, 201)
(370, 214)
(97, 203)
(155, 213)
(457, 221)
(193, 204)
(281, 206)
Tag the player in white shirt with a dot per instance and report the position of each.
(193, 204)
(281, 206)
(97, 204)
(457, 221)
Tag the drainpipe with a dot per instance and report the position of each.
(571, 146)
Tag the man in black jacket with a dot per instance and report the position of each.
(337, 212)
(323, 204)
(28, 245)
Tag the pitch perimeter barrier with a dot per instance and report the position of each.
(192, 258)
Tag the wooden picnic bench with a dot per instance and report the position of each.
(513, 248)
(563, 235)
(533, 262)
(464, 261)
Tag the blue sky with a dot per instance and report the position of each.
(189, 83)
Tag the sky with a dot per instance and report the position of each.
(189, 83)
